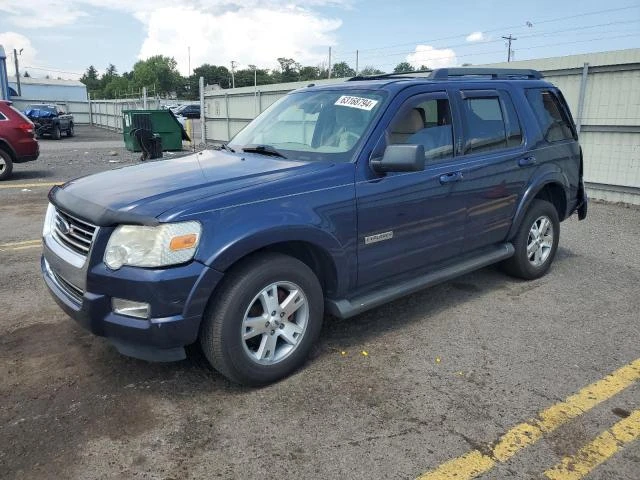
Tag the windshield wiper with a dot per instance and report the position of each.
(224, 146)
(263, 150)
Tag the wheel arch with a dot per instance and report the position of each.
(551, 186)
(4, 145)
(321, 252)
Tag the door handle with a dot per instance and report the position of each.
(450, 177)
(527, 161)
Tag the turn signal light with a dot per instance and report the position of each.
(183, 242)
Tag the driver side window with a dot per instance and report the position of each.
(424, 120)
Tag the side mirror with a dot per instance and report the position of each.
(400, 158)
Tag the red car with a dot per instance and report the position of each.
(17, 139)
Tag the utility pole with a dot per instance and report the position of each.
(329, 63)
(15, 58)
(189, 56)
(357, 55)
(510, 38)
(233, 73)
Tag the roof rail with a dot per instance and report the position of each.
(493, 73)
(451, 73)
(382, 76)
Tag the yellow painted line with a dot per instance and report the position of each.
(597, 451)
(24, 247)
(29, 185)
(17, 244)
(475, 462)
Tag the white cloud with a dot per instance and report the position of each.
(11, 40)
(475, 37)
(41, 13)
(218, 31)
(432, 57)
(247, 35)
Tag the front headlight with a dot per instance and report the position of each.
(49, 218)
(161, 246)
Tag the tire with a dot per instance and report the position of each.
(6, 165)
(541, 215)
(56, 133)
(70, 130)
(247, 290)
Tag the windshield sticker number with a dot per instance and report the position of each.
(356, 102)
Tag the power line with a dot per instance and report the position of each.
(551, 20)
(524, 48)
(532, 35)
(45, 69)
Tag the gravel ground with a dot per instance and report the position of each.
(446, 370)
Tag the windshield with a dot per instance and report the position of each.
(313, 125)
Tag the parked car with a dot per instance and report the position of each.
(17, 139)
(50, 120)
(188, 111)
(336, 199)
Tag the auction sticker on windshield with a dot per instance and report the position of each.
(356, 102)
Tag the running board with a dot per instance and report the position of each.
(346, 308)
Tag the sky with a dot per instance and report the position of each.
(61, 38)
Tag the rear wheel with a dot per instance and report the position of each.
(263, 321)
(56, 132)
(6, 165)
(535, 243)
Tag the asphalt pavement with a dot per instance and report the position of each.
(484, 376)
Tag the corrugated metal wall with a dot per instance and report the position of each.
(609, 117)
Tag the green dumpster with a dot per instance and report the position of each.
(161, 123)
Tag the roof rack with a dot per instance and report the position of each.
(494, 73)
(451, 73)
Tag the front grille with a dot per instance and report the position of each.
(74, 233)
(69, 288)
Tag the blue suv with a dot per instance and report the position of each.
(336, 199)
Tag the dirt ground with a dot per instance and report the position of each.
(392, 393)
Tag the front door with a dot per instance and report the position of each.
(408, 221)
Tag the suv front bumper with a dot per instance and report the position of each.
(177, 297)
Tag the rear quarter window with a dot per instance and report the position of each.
(553, 122)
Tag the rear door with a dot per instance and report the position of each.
(496, 166)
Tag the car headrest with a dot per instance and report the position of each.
(409, 123)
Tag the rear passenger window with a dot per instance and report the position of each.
(2, 117)
(484, 125)
(554, 124)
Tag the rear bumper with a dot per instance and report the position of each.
(160, 338)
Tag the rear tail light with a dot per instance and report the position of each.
(26, 127)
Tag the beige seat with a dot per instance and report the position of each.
(406, 126)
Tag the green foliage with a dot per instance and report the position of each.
(403, 67)
(159, 74)
(369, 70)
(342, 70)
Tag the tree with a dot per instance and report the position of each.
(424, 67)
(26, 74)
(309, 73)
(159, 73)
(213, 75)
(288, 72)
(117, 86)
(342, 70)
(403, 67)
(90, 79)
(370, 70)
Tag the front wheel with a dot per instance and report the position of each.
(535, 243)
(261, 324)
(70, 131)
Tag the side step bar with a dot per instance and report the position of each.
(346, 308)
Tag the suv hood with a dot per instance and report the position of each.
(138, 194)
